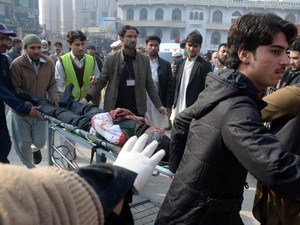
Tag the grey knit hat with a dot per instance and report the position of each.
(31, 38)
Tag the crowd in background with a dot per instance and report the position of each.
(214, 103)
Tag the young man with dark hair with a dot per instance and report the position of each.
(127, 74)
(78, 68)
(57, 51)
(221, 137)
(190, 75)
(162, 77)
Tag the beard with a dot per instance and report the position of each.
(130, 45)
(153, 53)
(222, 60)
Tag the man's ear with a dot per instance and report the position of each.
(244, 55)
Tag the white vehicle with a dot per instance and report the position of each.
(166, 50)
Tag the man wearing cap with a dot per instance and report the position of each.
(8, 95)
(45, 48)
(115, 46)
(16, 49)
(32, 72)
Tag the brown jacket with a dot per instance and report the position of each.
(282, 103)
(25, 78)
(270, 207)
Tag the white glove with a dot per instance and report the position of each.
(134, 157)
(83, 101)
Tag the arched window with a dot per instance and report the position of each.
(191, 15)
(196, 16)
(143, 33)
(175, 34)
(176, 15)
(215, 38)
(130, 14)
(159, 14)
(201, 16)
(158, 32)
(143, 14)
(235, 15)
(290, 17)
(217, 17)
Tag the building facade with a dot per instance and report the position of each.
(22, 16)
(173, 20)
(61, 16)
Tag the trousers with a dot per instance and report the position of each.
(26, 133)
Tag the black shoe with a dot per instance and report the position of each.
(26, 96)
(67, 96)
(37, 157)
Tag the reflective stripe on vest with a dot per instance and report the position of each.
(70, 75)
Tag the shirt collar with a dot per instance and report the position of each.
(154, 60)
(192, 59)
(41, 60)
(74, 57)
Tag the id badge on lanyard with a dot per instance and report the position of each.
(130, 82)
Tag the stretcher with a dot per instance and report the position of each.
(100, 148)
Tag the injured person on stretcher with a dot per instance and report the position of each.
(116, 126)
(98, 194)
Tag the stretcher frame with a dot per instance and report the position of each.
(103, 149)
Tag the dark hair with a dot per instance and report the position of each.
(58, 43)
(125, 28)
(91, 47)
(253, 30)
(208, 55)
(72, 35)
(194, 38)
(163, 143)
(295, 46)
(153, 38)
(221, 45)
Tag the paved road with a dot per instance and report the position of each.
(146, 205)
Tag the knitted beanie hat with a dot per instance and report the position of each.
(47, 196)
(31, 38)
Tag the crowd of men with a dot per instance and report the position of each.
(217, 105)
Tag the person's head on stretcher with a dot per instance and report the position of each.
(118, 125)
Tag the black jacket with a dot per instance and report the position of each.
(165, 79)
(196, 82)
(213, 144)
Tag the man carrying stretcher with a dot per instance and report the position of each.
(116, 126)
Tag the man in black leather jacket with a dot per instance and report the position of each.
(221, 137)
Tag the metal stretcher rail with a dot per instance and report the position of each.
(87, 140)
